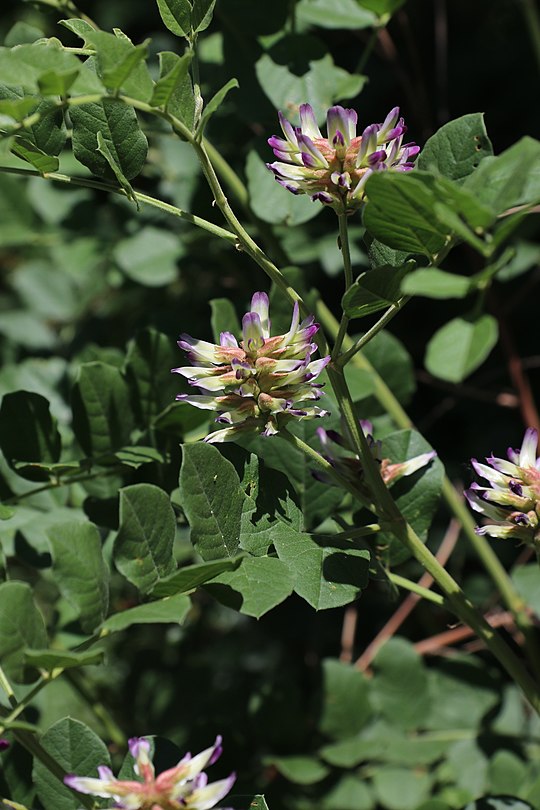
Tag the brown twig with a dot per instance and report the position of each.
(347, 634)
(409, 603)
(435, 645)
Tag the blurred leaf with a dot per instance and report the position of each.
(224, 318)
(462, 693)
(77, 749)
(334, 14)
(215, 102)
(506, 770)
(512, 178)
(457, 148)
(36, 157)
(80, 570)
(24, 65)
(22, 33)
(434, 283)
(255, 587)
(120, 131)
(258, 803)
(460, 346)
(102, 416)
(143, 548)
(298, 769)
(21, 627)
(65, 659)
(273, 203)
(346, 706)
(149, 257)
(120, 63)
(328, 572)
(499, 803)
(417, 495)
(149, 359)
(382, 7)
(316, 80)
(212, 499)
(173, 70)
(28, 432)
(399, 689)
(374, 290)
(191, 576)
(172, 610)
(469, 766)
(350, 791)
(134, 457)
(400, 788)
(527, 583)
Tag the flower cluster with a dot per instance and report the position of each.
(184, 786)
(338, 450)
(262, 382)
(512, 496)
(335, 169)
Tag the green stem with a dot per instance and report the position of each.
(390, 313)
(362, 531)
(414, 587)
(347, 267)
(497, 572)
(63, 483)
(366, 53)
(215, 230)
(6, 686)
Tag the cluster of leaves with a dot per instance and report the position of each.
(116, 517)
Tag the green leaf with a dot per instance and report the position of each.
(416, 495)
(21, 627)
(374, 290)
(510, 179)
(212, 499)
(346, 706)
(28, 432)
(191, 576)
(383, 8)
(50, 660)
(176, 14)
(349, 791)
(77, 749)
(150, 256)
(80, 570)
(149, 359)
(57, 83)
(527, 583)
(460, 346)
(48, 133)
(143, 548)
(224, 318)
(457, 148)
(273, 203)
(255, 587)
(201, 15)
(506, 770)
(36, 157)
(24, 66)
(172, 610)
(135, 457)
(328, 572)
(259, 803)
(181, 101)
(102, 416)
(123, 182)
(499, 803)
(121, 64)
(469, 766)
(400, 788)
(288, 83)
(120, 131)
(298, 769)
(173, 70)
(462, 693)
(215, 102)
(400, 688)
(22, 33)
(334, 14)
(434, 283)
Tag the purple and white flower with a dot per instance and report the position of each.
(512, 494)
(257, 384)
(335, 169)
(339, 451)
(183, 787)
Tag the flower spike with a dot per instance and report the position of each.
(512, 495)
(334, 170)
(261, 383)
(184, 787)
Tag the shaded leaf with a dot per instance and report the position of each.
(21, 627)
(191, 576)
(374, 290)
(102, 416)
(346, 706)
(64, 659)
(172, 610)
(143, 548)
(255, 587)
(80, 570)
(28, 432)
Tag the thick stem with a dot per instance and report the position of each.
(347, 268)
